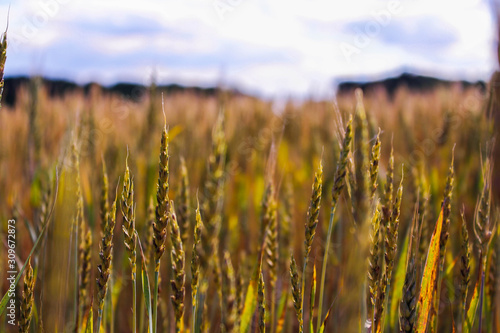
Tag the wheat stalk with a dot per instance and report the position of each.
(391, 243)
(338, 184)
(271, 250)
(313, 211)
(312, 222)
(483, 230)
(296, 293)
(408, 304)
(104, 214)
(266, 211)
(482, 222)
(85, 264)
(389, 188)
(149, 236)
(286, 219)
(78, 223)
(130, 236)
(104, 200)
(374, 264)
(147, 246)
(184, 210)
(106, 255)
(212, 206)
(424, 191)
(362, 174)
(391, 239)
(443, 239)
(446, 213)
(162, 206)
(161, 220)
(214, 187)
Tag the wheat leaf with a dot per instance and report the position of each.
(429, 278)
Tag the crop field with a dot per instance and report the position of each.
(191, 212)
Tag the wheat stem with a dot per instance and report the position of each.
(336, 190)
(195, 264)
(312, 223)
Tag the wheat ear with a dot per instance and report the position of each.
(106, 256)
(465, 254)
(261, 301)
(374, 165)
(184, 207)
(391, 243)
(161, 218)
(362, 174)
(443, 239)
(179, 274)
(312, 222)
(27, 300)
(271, 249)
(85, 265)
(374, 263)
(130, 236)
(104, 199)
(296, 293)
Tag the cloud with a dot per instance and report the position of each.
(278, 47)
(126, 25)
(426, 33)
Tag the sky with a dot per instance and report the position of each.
(265, 47)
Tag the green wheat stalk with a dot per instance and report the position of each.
(336, 190)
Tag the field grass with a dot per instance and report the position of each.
(186, 212)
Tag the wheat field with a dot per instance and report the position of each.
(185, 212)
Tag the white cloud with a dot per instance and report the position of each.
(272, 47)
